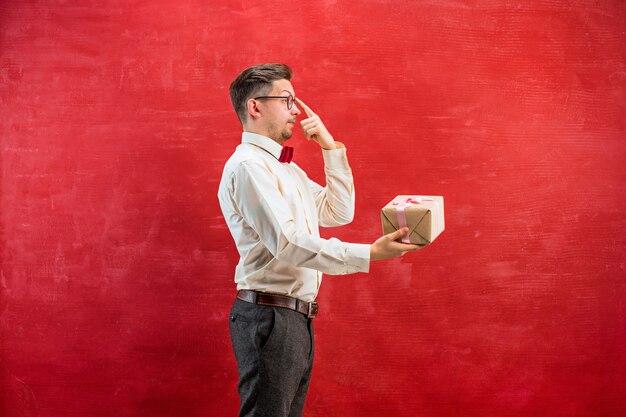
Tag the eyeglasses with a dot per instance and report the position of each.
(290, 99)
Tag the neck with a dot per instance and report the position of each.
(263, 132)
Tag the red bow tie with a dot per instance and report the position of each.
(286, 155)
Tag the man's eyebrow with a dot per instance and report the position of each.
(287, 91)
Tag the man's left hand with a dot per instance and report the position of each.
(314, 129)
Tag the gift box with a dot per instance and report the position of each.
(422, 214)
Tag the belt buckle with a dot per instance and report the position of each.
(312, 308)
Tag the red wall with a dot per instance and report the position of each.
(117, 268)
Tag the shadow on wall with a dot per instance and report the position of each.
(16, 398)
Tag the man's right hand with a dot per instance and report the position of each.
(386, 247)
(314, 129)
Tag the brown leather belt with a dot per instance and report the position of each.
(277, 300)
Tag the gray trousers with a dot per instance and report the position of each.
(274, 351)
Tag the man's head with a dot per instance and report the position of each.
(263, 99)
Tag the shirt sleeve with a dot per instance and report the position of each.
(256, 194)
(335, 202)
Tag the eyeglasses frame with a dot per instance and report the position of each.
(293, 99)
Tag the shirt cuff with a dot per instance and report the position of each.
(335, 158)
(358, 255)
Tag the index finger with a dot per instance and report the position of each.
(306, 108)
(405, 247)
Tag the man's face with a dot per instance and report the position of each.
(280, 119)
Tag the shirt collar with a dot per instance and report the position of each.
(262, 142)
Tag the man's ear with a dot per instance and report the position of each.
(253, 109)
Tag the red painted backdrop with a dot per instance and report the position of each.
(117, 268)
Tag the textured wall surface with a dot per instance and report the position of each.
(117, 269)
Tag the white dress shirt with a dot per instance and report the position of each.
(273, 211)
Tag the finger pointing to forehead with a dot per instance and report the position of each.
(306, 108)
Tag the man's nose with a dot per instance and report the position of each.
(295, 110)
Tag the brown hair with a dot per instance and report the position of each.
(253, 82)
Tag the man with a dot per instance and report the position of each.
(273, 210)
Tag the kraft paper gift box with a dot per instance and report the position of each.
(422, 214)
